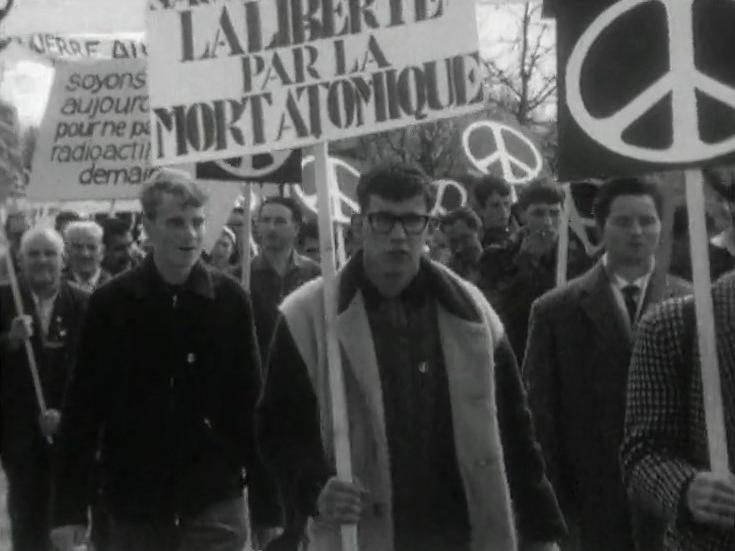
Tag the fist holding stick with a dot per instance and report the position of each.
(21, 329)
(710, 499)
(341, 502)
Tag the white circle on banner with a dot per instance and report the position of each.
(338, 197)
(442, 187)
(514, 168)
(246, 167)
(682, 81)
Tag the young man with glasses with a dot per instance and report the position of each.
(420, 347)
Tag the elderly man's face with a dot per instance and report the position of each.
(41, 262)
(84, 252)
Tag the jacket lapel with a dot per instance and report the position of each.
(357, 343)
(598, 302)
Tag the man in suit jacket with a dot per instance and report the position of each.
(664, 454)
(56, 310)
(578, 350)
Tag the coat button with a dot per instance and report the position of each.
(378, 510)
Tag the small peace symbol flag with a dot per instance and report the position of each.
(502, 150)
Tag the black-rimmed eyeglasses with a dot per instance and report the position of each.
(384, 222)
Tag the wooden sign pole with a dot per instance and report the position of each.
(340, 424)
(18, 302)
(247, 231)
(711, 386)
(562, 249)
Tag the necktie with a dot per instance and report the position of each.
(630, 295)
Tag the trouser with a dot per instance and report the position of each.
(29, 491)
(220, 527)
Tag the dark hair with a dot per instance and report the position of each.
(488, 184)
(615, 187)
(296, 214)
(461, 214)
(721, 182)
(64, 217)
(396, 182)
(114, 227)
(310, 230)
(539, 191)
(174, 182)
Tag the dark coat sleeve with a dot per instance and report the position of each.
(538, 516)
(656, 453)
(81, 419)
(540, 371)
(262, 493)
(288, 426)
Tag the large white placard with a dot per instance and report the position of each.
(233, 77)
(94, 140)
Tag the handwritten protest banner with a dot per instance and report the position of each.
(56, 46)
(94, 139)
(260, 75)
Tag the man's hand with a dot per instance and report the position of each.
(341, 502)
(539, 243)
(21, 329)
(710, 499)
(49, 421)
(68, 538)
(263, 535)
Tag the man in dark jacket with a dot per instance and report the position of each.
(52, 318)
(167, 380)
(426, 363)
(579, 347)
(516, 274)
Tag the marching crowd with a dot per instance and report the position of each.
(488, 408)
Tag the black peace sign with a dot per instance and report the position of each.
(254, 166)
(682, 82)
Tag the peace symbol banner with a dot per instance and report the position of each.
(502, 150)
(644, 85)
(258, 76)
(275, 167)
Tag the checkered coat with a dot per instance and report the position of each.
(665, 437)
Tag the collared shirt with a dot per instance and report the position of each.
(89, 284)
(429, 505)
(618, 283)
(268, 288)
(45, 309)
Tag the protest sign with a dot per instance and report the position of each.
(257, 76)
(644, 85)
(94, 140)
(276, 167)
(75, 47)
(503, 150)
(663, 99)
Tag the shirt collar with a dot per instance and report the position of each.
(260, 262)
(415, 294)
(199, 280)
(620, 282)
(91, 282)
